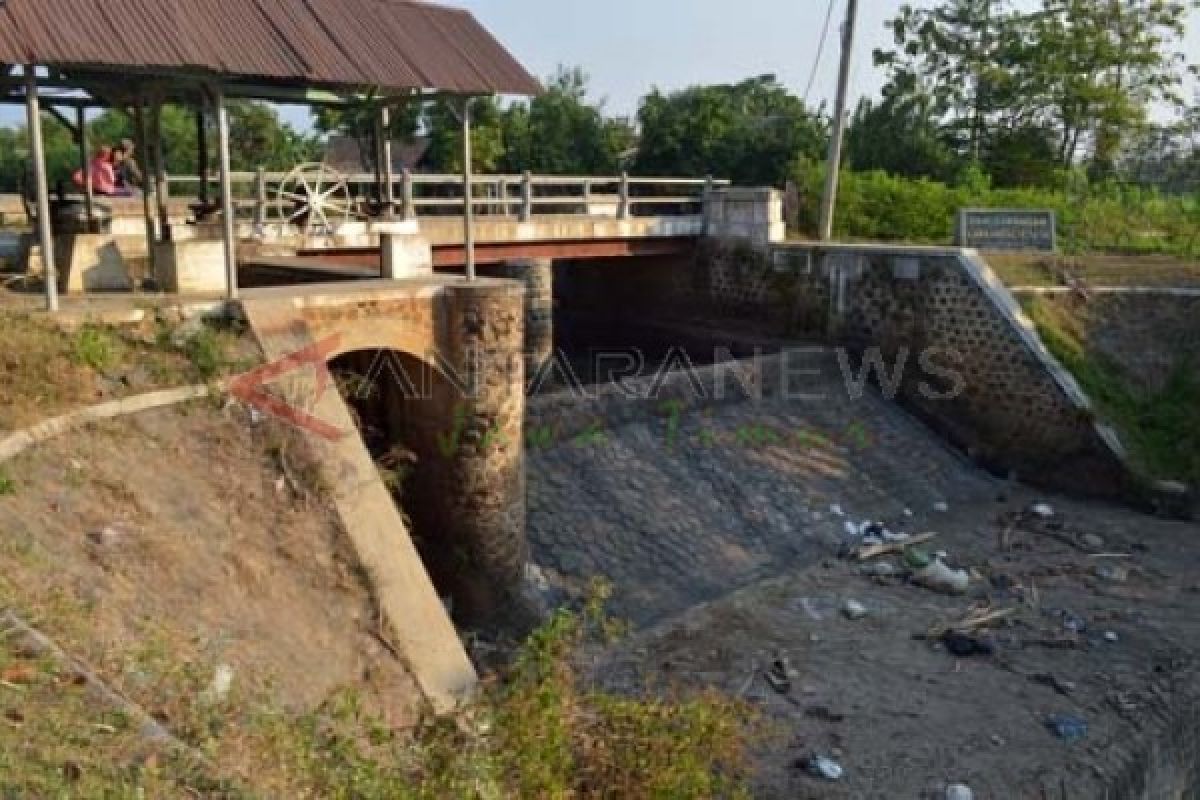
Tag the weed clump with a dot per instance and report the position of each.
(1159, 426)
(536, 733)
(94, 347)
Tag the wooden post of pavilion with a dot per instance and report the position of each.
(37, 152)
(468, 195)
(85, 165)
(228, 227)
(140, 139)
(202, 155)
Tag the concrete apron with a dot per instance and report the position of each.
(422, 629)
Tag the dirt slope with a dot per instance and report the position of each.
(160, 547)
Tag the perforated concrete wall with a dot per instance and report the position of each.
(971, 362)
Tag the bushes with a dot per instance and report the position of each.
(538, 733)
(1160, 426)
(1112, 217)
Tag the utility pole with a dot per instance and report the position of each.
(829, 200)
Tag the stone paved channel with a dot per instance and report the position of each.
(676, 511)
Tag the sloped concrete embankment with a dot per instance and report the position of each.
(682, 488)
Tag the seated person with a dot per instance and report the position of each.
(103, 175)
(129, 174)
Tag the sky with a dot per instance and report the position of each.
(631, 46)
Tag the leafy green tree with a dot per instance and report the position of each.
(443, 126)
(900, 135)
(1004, 82)
(560, 133)
(1100, 64)
(747, 132)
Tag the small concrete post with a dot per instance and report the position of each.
(89, 192)
(408, 208)
(37, 152)
(260, 198)
(227, 221)
(623, 202)
(526, 196)
(587, 197)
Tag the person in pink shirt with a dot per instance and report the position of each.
(103, 171)
(104, 177)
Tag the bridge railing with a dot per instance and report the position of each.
(427, 195)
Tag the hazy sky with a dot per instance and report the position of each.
(630, 46)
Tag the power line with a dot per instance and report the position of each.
(820, 50)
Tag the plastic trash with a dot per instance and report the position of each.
(880, 569)
(853, 609)
(1068, 727)
(959, 791)
(825, 768)
(941, 578)
(963, 645)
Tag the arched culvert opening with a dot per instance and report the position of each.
(467, 525)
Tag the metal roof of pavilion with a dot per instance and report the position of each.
(383, 44)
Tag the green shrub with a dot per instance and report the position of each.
(1160, 427)
(536, 734)
(1091, 216)
(94, 347)
(7, 485)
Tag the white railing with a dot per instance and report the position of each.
(523, 196)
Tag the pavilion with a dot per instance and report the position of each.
(140, 54)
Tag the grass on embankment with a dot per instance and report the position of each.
(538, 733)
(1094, 269)
(47, 370)
(1160, 427)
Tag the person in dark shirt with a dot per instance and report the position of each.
(128, 173)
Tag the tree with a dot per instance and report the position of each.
(1003, 83)
(1100, 65)
(443, 126)
(900, 135)
(560, 133)
(557, 132)
(747, 132)
(957, 59)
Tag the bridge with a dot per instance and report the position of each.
(314, 224)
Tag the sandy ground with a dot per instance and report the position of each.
(904, 717)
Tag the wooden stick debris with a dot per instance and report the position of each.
(980, 618)
(887, 548)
